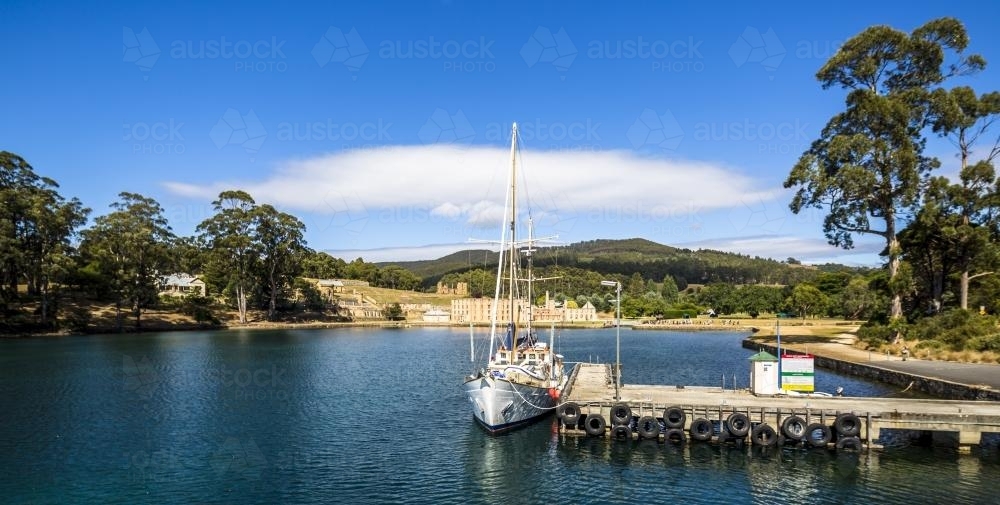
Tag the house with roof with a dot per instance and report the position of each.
(181, 285)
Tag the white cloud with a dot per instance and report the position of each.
(469, 183)
(781, 247)
(415, 253)
(446, 209)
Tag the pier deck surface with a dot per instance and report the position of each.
(973, 374)
(593, 385)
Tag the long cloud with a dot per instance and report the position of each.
(468, 183)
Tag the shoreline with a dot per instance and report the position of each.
(277, 325)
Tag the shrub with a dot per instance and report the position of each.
(198, 307)
(985, 343)
(876, 334)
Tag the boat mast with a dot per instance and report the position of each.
(528, 252)
(495, 306)
(513, 230)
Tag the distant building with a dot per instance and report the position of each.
(182, 284)
(552, 311)
(358, 306)
(479, 310)
(436, 316)
(459, 289)
(331, 286)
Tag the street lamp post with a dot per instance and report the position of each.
(618, 335)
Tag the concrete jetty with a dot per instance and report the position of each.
(960, 381)
(590, 403)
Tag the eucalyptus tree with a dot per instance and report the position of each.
(965, 119)
(953, 233)
(281, 246)
(131, 247)
(37, 226)
(232, 250)
(869, 162)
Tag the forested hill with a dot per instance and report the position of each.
(624, 257)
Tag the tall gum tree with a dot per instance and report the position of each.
(869, 163)
(965, 120)
(131, 246)
(228, 235)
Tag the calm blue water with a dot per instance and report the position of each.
(378, 416)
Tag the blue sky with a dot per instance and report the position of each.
(384, 126)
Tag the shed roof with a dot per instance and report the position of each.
(763, 356)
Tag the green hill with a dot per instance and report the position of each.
(625, 257)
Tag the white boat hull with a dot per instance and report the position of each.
(500, 405)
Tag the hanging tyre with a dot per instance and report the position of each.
(621, 413)
(794, 428)
(847, 425)
(674, 417)
(648, 427)
(763, 434)
(594, 425)
(569, 413)
(701, 429)
(818, 435)
(849, 444)
(738, 424)
(676, 436)
(621, 432)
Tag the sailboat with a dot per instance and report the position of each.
(522, 378)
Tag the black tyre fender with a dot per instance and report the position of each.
(849, 444)
(648, 427)
(738, 424)
(847, 425)
(794, 428)
(701, 429)
(763, 434)
(621, 432)
(674, 417)
(675, 436)
(569, 413)
(594, 425)
(818, 435)
(621, 413)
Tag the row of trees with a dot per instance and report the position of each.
(248, 252)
